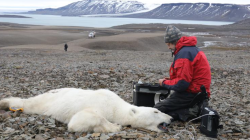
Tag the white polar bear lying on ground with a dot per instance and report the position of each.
(90, 110)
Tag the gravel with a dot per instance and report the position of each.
(26, 73)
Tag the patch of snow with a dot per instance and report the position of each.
(208, 43)
(81, 3)
(172, 8)
(207, 8)
(195, 33)
(118, 6)
(148, 7)
(225, 12)
(191, 7)
(151, 6)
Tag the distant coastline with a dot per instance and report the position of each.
(13, 16)
(97, 22)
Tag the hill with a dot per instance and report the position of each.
(198, 11)
(91, 7)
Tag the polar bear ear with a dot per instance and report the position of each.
(132, 111)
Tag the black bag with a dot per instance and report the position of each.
(210, 122)
(185, 114)
(148, 94)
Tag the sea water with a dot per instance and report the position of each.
(98, 22)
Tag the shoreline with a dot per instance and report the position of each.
(95, 21)
(12, 16)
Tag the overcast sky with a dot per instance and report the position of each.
(34, 4)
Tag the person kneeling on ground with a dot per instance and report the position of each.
(189, 70)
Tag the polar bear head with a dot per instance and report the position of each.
(149, 118)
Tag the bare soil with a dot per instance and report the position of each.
(33, 61)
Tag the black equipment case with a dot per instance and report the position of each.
(210, 122)
(148, 94)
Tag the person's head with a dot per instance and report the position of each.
(172, 36)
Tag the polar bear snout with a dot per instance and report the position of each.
(151, 119)
(163, 126)
(164, 121)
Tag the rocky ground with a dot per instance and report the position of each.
(32, 61)
(26, 73)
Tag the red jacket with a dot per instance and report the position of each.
(190, 68)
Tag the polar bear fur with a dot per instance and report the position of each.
(89, 110)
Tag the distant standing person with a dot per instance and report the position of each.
(65, 47)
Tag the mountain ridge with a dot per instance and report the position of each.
(177, 11)
(198, 11)
(90, 7)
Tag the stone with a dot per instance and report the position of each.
(96, 134)
(59, 138)
(104, 137)
(9, 130)
(82, 138)
(39, 137)
(43, 70)
(104, 76)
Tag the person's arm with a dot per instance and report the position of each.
(183, 73)
(161, 81)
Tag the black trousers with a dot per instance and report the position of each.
(175, 102)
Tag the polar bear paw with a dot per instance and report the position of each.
(108, 128)
(116, 128)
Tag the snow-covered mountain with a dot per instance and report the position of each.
(90, 7)
(134, 9)
(198, 11)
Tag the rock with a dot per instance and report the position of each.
(39, 137)
(12, 120)
(23, 119)
(16, 114)
(104, 76)
(225, 73)
(59, 138)
(53, 121)
(96, 134)
(82, 138)
(41, 130)
(6, 115)
(243, 92)
(31, 120)
(238, 122)
(229, 89)
(9, 130)
(104, 137)
(2, 112)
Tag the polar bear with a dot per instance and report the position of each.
(90, 110)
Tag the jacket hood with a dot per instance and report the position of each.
(185, 41)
